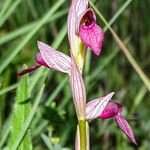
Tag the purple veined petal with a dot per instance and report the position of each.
(55, 59)
(125, 127)
(90, 33)
(95, 107)
(78, 7)
(111, 110)
(81, 9)
(78, 90)
(77, 138)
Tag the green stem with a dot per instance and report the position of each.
(82, 130)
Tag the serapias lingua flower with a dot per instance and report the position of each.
(82, 24)
(112, 110)
(50, 58)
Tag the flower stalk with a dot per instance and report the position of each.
(83, 134)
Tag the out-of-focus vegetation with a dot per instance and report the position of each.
(52, 120)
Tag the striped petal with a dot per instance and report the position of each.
(77, 48)
(125, 127)
(78, 7)
(55, 59)
(78, 90)
(95, 107)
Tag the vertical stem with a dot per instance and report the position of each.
(82, 130)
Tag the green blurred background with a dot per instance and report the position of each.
(23, 22)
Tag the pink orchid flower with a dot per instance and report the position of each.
(82, 22)
(101, 107)
(50, 58)
(111, 110)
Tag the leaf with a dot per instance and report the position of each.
(21, 110)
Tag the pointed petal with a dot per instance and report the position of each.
(125, 127)
(81, 9)
(111, 109)
(81, 6)
(55, 59)
(77, 9)
(95, 107)
(78, 90)
(76, 45)
(30, 69)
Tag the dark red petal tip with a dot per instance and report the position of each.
(30, 69)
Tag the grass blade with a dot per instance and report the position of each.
(18, 48)
(125, 50)
(5, 6)
(56, 91)
(5, 131)
(47, 141)
(9, 88)
(21, 110)
(29, 119)
(28, 28)
(9, 12)
(118, 13)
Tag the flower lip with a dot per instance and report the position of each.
(88, 19)
(89, 32)
(111, 110)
